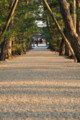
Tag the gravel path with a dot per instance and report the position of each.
(40, 86)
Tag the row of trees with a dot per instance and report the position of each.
(17, 25)
(70, 43)
(63, 25)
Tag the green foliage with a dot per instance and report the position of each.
(23, 26)
(53, 35)
(78, 13)
(4, 11)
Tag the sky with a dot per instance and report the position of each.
(40, 23)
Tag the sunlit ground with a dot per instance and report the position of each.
(40, 85)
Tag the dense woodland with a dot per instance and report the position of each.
(18, 25)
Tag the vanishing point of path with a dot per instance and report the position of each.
(40, 85)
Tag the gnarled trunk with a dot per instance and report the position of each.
(71, 32)
(59, 28)
(6, 44)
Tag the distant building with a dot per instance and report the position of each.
(38, 39)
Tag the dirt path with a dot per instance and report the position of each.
(40, 86)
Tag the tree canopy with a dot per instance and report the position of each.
(18, 24)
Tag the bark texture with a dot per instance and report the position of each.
(10, 26)
(59, 28)
(10, 16)
(74, 13)
(78, 18)
(71, 32)
(6, 44)
(62, 48)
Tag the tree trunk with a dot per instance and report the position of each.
(27, 2)
(78, 19)
(4, 49)
(48, 25)
(10, 26)
(78, 26)
(49, 29)
(74, 14)
(6, 44)
(59, 28)
(67, 50)
(10, 16)
(62, 47)
(9, 48)
(71, 32)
